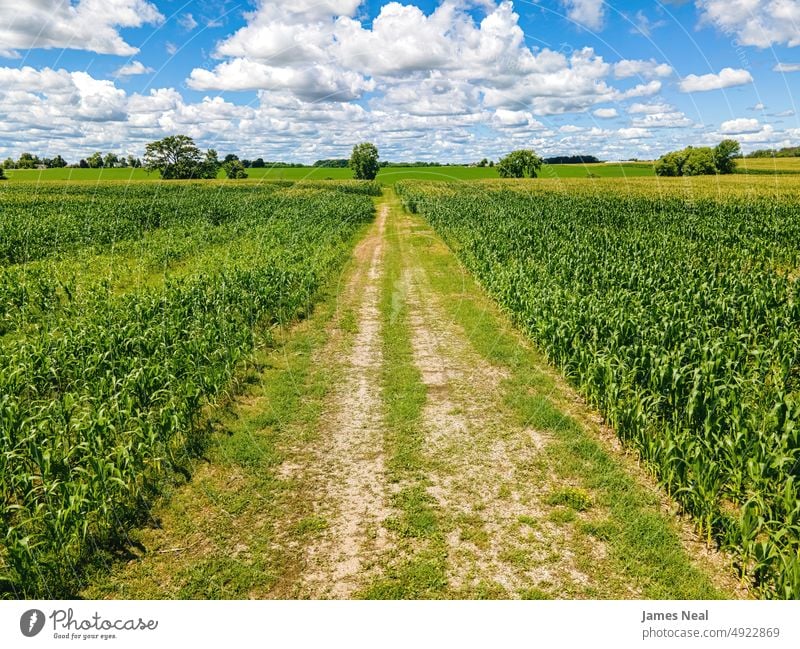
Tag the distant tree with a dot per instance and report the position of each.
(699, 162)
(177, 157)
(83, 164)
(491, 163)
(258, 163)
(2, 174)
(58, 162)
(519, 164)
(110, 160)
(671, 164)
(571, 160)
(247, 163)
(134, 162)
(230, 158)
(341, 163)
(28, 161)
(9, 163)
(483, 163)
(364, 161)
(95, 160)
(725, 154)
(234, 169)
(209, 168)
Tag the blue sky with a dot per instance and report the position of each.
(451, 80)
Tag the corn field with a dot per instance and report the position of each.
(124, 311)
(675, 309)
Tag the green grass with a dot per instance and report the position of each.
(418, 569)
(388, 175)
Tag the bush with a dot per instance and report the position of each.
(234, 170)
(700, 161)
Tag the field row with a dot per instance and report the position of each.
(103, 382)
(679, 317)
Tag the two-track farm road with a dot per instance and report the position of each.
(406, 442)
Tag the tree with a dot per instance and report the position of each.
(177, 157)
(699, 162)
(234, 169)
(95, 160)
(209, 168)
(724, 156)
(231, 157)
(58, 162)
(2, 174)
(83, 164)
(258, 163)
(364, 161)
(9, 163)
(110, 160)
(134, 162)
(484, 163)
(519, 164)
(27, 161)
(671, 164)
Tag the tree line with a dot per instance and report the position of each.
(178, 157)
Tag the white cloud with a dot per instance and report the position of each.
(758, 106)
(650, 109)
(642, 90)
(758, 23)
(188, 22)
(605, 113)
(313, 83)
(589, 13)
(645, 69)
(404, 46)
(90, 25)
(785, 113)
(633, 133)
(726, 78)
(503, 118)
(787, 67)
(133, 68)
(645, 26)
(670, 119)
(739, 126)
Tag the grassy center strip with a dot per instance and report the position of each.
(416, 566)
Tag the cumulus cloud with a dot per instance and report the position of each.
(649, 109)
(740, 126)
(133, 68)
(605, 113)
(458, 83)
(405, 54)
(589, 13)
(758, 23)
(188, 22)
(663, 119)
(727, 78)
(787, 67)
(91, 25)
(637, 68)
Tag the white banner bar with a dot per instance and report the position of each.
(406, 625)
